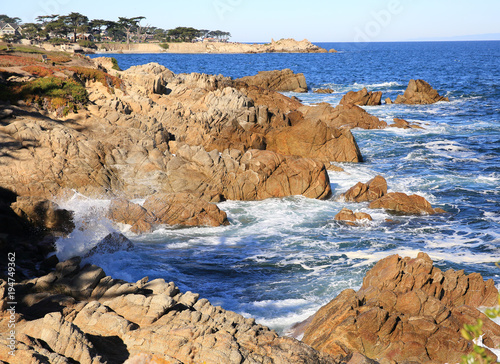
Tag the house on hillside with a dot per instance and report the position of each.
(9, 29)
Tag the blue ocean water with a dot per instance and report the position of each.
(281, 259)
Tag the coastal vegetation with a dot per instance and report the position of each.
(78, 28)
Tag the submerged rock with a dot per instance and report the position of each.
(406, 311)
(351, 218)
(399, 202)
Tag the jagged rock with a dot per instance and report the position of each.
(126, 212)
(265, 174)
(148, 78)
(407, 310)
(284, 80)
(147, 320)
(402, 203)
(350, 217)
(111, 243)
(184, 209)
(343, 116)
(44, 214)
(362, 97)
(315, 139)
(369, 191)
(419, 92)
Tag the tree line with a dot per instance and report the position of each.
(69, 28)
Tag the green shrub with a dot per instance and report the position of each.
(115, 64)
(164, 45)
(86, 43)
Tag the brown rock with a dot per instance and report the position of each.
(350, 217)
(315, 139)
(403, 124)
(388, 101)
(184, 209)
(401, 203)
(370, 191)
(44, 214)
(110, 244)
(362, 97)
(406, 310)
(139, 322)
(419, 92)
(126, 212)
(265, 174)
(342, 116)
(284, 80)
(323, 91)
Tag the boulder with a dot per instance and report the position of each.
(148, 78)
(362, 98)
(350, 217)
(277, 80)
(401, 203)
(370, 191)
(44, 214)
(407, 310)
(185, 210)
(419, 92)
(403, 124)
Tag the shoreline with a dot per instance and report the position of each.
(280, 46)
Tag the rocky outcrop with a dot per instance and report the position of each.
(44, 214)
(181, 209)
(342, 116)
(284, 80)
(401, 203)
(98, 319)
(352, 218)
(369, 191)
(362, 98)
(185, 210)
(315, 139)
(323, 91)
(407, 310)
(111, 243)
(419, 92)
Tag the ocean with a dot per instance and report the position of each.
(280, 260)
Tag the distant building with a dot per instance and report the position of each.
(10, 29)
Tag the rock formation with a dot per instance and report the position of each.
(284, 80)
(399, 202)
(419, 92)
(406, 311)
(362, 98)
(351, 218)
(403, 124)
(369, 191)
(81, 315)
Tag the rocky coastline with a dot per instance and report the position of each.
(184, 142)
(279, 46)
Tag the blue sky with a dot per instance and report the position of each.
(316, 20)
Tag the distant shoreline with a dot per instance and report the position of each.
(280, 46)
